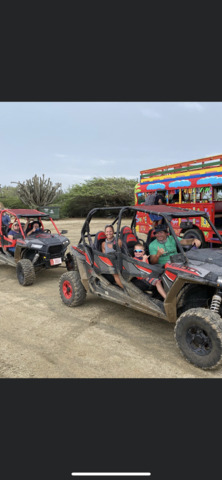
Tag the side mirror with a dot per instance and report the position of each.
(64, 231)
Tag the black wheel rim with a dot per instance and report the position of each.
(199, 341)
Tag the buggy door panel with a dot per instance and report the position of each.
(103, 263)
(7, 242)
(135, 268)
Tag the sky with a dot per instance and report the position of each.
(70, 142)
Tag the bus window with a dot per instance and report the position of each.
(217, 194)
(141, 198)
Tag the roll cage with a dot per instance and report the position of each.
(23, 213)
(19, 215)
(169, 214)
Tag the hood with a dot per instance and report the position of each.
(45, 239)
(208, 258)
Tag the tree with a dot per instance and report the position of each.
(38, 192)
(97, 192)
(9, 198)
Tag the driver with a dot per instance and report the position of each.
(35, 229)
(164, 245)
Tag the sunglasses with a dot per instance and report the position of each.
(138, 251)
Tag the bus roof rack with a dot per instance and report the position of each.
(206, 162)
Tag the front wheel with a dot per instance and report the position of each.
(25, 272)
(198, 334)
(71, 289)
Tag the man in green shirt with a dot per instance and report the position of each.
(164, 245)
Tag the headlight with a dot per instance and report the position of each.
(219, 282)
(36, 245)
(66, 242)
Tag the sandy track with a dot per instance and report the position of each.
(42, 338)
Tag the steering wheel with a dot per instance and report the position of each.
(187, 248)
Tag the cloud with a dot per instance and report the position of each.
(211, 180)
(180, 183)
(191, 106)
(155, 186)
(61, 155)
(148, 112)
(105, 162)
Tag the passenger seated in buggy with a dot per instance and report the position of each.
(140, 282)
(13, 234)
(105, 242)
(6, 223)
(109, 244)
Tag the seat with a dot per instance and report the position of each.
(100, 237)
(129, 241)
(30, 226)
(150, 238)
(5, 229)
(124, 230)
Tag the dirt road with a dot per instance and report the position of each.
(42, 338)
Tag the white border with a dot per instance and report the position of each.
(111, 474)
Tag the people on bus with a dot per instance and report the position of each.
(176, 198)
(164, 245)
(159, 199)
(155, 199)
(150, 198)
(139, 254)
(109, 246)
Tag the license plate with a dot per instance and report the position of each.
(55, 261)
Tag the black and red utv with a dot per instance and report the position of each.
(44, 248)
(191, 278)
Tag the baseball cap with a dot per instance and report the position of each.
(160, 228)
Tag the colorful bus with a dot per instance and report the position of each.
(196, 185)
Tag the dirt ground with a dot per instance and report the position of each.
(42, 338)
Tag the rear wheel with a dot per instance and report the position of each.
(198, 334)
(71, 289)
(25, 272)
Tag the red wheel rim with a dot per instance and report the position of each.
(67, 289)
